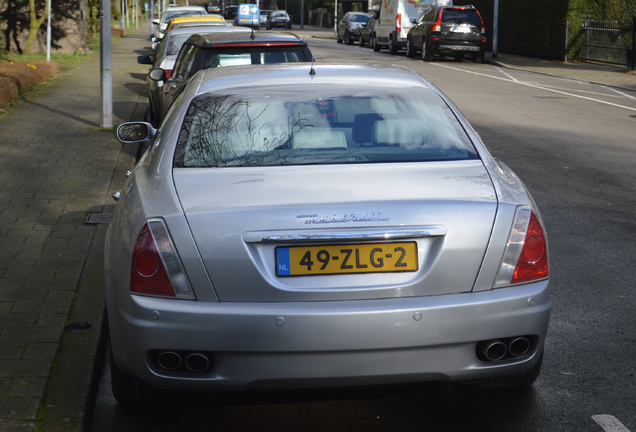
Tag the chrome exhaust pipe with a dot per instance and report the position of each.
(494, 350)
(169, 360)
(519, 346)
(197, 362)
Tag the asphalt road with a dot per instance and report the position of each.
(573, 144)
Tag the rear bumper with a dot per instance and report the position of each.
(327, 344)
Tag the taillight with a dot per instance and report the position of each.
(437, 26)
(156, 269)
(398, 23)
(168, 73)
(526, 255)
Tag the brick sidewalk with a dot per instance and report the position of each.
(56, 167)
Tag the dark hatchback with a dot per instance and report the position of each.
(457, 31)
(205, 51)
(350, 25)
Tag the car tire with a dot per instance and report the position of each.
(427, 53)
(374, 43)
(459, 57)
(393, 48)
(348, 39)
(511, 381)
(410, 49)
(129, 390)
(480, 56)
(361, 41)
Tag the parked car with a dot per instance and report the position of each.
(448, 30)
(196, 20)
(367, 32)
(165, 56)
(161, 24)
(217, 50)
(395, 19)
(296, 226)
(248, 15)
(278, 19)
(349, 26)
(263, 17)
(229, 13)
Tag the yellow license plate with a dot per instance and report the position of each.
(346, 258)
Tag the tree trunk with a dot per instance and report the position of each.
(35, 23)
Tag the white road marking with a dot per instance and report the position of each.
(609, 423)
(537, 87)
(623, 94)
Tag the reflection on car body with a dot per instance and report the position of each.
(302, 226)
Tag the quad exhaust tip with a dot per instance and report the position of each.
(504, 349)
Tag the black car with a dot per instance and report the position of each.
(212, 50)
(366, 32)
(349, 26)
(457, 31)
(278, 19)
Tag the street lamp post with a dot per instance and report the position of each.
(106, 66)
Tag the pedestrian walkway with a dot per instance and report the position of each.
(57, 168)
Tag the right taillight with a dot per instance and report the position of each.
(168, 73)
(156, 269)
(526, 255)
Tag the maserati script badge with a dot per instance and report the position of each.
(351, 217)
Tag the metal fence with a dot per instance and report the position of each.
(609, 42)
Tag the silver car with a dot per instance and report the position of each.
(299, 226)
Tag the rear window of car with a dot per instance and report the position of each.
(293, 127)
(461, 16)
(253, 55)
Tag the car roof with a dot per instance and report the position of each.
(285, 74)
(207, 40)
(197, 18)
(206, 28)
(178, 8)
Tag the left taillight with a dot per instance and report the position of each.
(526, 254)
(398, 23)
(168, 73)
(156, 269)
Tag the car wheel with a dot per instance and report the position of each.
(525, 379)
(410, 49)
(361, 41)
(148, 117)
(427, 54)
(374, 43)
(338, 38)
(459, 57)
(348, 39)
(393, 48)
(129, 390)
(479, 57)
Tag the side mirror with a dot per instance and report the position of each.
(156, 21)
(135, 132)
(413, 21)
(157, 74)
(144, 59)
(154, 46)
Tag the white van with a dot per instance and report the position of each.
(394, 20)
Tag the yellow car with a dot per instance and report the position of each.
(197, 20)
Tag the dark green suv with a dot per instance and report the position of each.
(457, 31)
